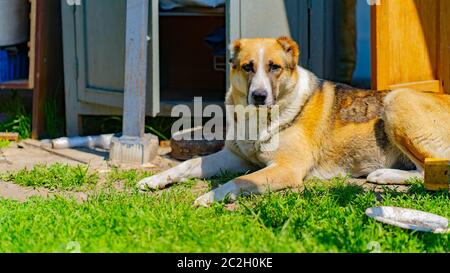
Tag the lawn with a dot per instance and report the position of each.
(328, 216)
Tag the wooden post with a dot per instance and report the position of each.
(135, 67)
(134, 146)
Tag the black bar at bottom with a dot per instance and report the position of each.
(220, 262)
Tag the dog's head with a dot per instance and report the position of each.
(263, 70)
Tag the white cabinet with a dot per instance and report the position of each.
(180, 65)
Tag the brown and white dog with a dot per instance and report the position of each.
(324, 129)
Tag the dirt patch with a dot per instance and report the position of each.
(378, 189)
(15, 192)
(18, 156)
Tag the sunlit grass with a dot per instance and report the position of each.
(57, 176)
(325, 217)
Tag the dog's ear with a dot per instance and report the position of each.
(292, 50)
(234, 50)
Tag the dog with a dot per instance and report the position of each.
(324, 129)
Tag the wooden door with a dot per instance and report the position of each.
(99, 52)
(411, 45)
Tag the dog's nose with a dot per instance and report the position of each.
(259, 97)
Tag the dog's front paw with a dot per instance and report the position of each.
(227, 192)
(205, 200)
(152, 183)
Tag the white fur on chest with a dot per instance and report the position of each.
(259, 151)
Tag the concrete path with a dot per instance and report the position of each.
(29, 153)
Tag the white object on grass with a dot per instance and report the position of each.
(409, 219)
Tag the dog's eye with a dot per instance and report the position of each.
(248, 67)
(274, 67)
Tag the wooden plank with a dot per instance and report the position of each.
(437, 174)
(18, 84)
(405, 37)
(432, 86)
(153, 75)
(70, 68)
(135, 68)
(444, 59)
(9, 136)
(48, 73)
(39, 70)
(233, 29)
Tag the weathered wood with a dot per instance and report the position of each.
(444, 59)
(410, 45)
(9, 136)
(135, 68)
(70, 69)
(135, 146)
(437, 174)
(48, 73)
(100, 51)
(101, 25)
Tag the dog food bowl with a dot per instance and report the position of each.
(409, 219)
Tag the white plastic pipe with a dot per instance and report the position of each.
(101, 141)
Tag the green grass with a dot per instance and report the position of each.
(129, 177)
(19, 120)
(4, 143)
(57, 176)
(54, 124)
(325, 217)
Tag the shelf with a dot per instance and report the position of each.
(17, 84)
(194, 12)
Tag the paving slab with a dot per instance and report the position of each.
(20, 156)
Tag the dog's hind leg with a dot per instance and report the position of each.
(418, 124)
(202, 167)
(392, 176)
